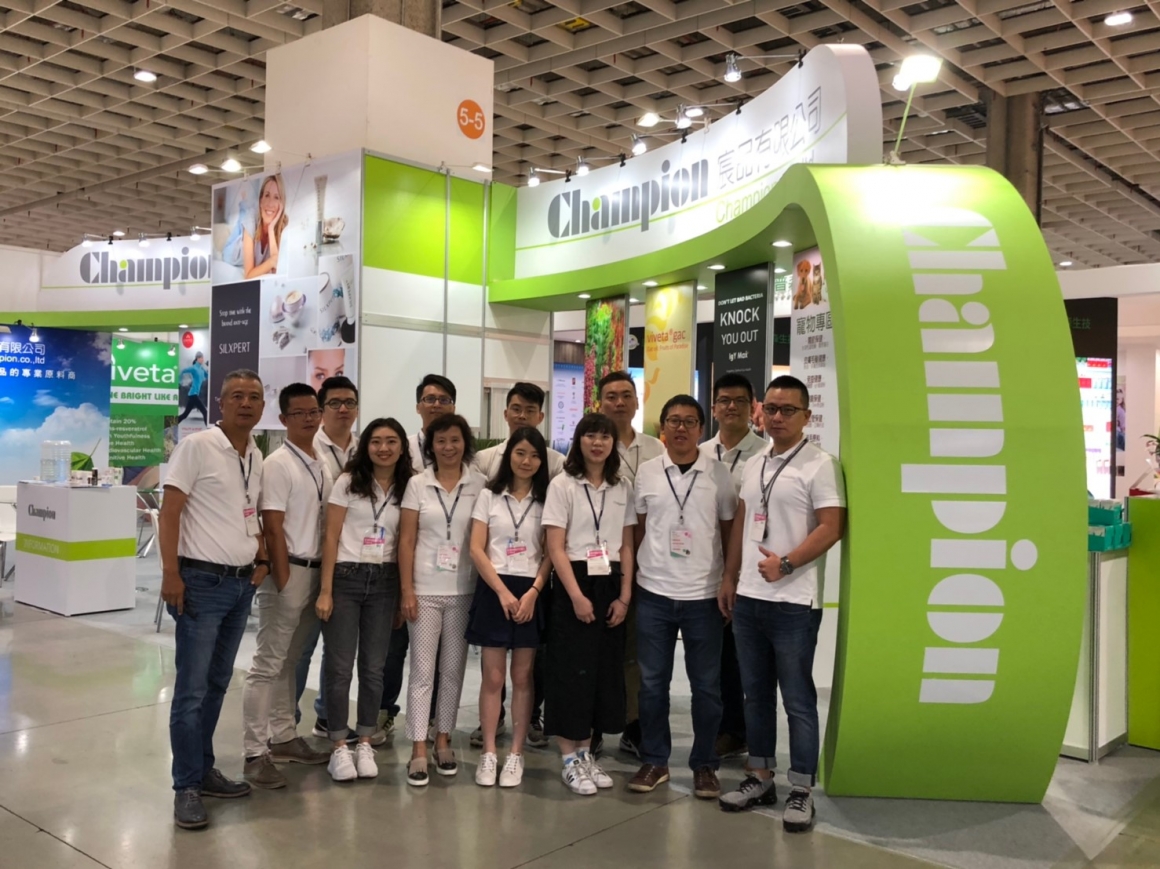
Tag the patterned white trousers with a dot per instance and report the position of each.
(442, 620)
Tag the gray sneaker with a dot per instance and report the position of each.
(477, 734)
(214, 784)
(297, 750)
(799, 810)
(752, 792)
(262, 773)
(188, 810)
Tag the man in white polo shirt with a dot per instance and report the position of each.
(295, 487)
(618, 402)
(685, 503)
(212, 559)
(525, 407)
(792, 511)
(434, 396)
(734, 444)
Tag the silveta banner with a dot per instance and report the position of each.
(144, 394)
(669, 332)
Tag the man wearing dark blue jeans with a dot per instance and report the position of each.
(792, 511)
(685, 503)
(212, 559)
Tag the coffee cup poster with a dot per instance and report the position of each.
(285, 273)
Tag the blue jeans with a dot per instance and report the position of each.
(208, 634)
(658, 619)
(775, 647)
(303, 670)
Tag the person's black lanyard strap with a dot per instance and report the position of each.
(767, 488)
(449, 514)
(246, 472)
(735, 458)
(596, 519)
(377, 512)
(527, 510)
(681, 502)
(318, 484)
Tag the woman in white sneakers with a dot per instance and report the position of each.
(360, 588)
(507, 549)
(588, 519)
(435, 573)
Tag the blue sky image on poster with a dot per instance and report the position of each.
(56, 388)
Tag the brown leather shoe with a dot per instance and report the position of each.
(705, 784)
(648, 777)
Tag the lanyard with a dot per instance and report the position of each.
(379, 512)
(767, 488)
(337, 460)
(596, 519)
(449, 515)
(527, 510)
(246, 475)
(318, 485)
(735, 458)
(631, 468)
(681, 503)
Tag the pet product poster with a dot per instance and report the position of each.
(604, 344)
(296, 234)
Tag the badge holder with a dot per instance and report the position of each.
(680, 542)
(447, 558)
(757, 527)
(517, 557)
(250, 514)
(373, 545)
(597, 558)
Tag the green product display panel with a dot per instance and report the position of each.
(1143, 616)
(89, 550)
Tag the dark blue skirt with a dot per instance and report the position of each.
(491, 628)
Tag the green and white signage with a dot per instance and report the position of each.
(144, 393)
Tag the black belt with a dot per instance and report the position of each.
(307, 563)
(242, 571)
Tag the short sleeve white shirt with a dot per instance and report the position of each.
(501, 513)
(207, 468)
(711, 499)
(736, 458)
(425, 496)
(488, 461)
(360, 520)
(335, 456)
(810, 481)
(298, 485)
(568, 506)
(644, 447)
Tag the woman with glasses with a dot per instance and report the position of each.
(507, 549)
(588, 521)
(435, 567)
(360, 588)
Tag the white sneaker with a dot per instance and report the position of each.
(576, 778)
(364, 761)
(599, 777)
(341, 766)
(512, 774)
(485, 772)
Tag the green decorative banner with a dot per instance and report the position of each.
(144, 393)
(87, 550)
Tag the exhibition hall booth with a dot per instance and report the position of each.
(919, 305)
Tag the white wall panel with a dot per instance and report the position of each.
(393, 362)
(399, 294)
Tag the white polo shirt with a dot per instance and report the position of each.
(423, 496)
(812, 480)
(711, 499)
(334, 456)
(207, 468)
(644, 447)
(501, 513)
(735, 459)
(569, 508)
(418, 460)
(298, 485)
(488, 461)
(360, 521)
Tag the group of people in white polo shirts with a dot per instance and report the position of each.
(576, 575)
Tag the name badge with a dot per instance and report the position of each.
(517, 557)
(758, 527)
(251, 516)
(373, 546)
(680, 542)
(447, 558)
(597, 558)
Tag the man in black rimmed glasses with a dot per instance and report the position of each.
(335, 441)
(296, 485)
(434, 397)
(791, 512)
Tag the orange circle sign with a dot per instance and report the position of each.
(472, 121)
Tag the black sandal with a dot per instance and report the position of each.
(445, 763)
(417, 772)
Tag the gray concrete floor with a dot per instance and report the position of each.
(84, 782)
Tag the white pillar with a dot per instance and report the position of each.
(1140, 364)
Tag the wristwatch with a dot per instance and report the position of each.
(266, 564)
(786, 567)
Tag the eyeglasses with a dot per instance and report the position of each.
(786, 410)
(338, 403)
(687, 424)
(305, 414)
(440, 400)
(725, 401)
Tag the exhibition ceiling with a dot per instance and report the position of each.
(86, 147)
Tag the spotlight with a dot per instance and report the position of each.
(581, 167)
(34, 336)
(261, 147)
(649, 119)
(85, 242)
(732, 70)
(779, 270)
(172, 350)
(701, 288)
(120, 344)
(684, 121)
(632, 301)
(145, 76)
(118, 233)
(123, 329)
(639, 146)
(921, 68)
(197, 169)
(716, 267)
(182, 325)
(143, 241)
(194, 235)
(585, 295)
(650, 284)
(231, 165)
(533, 179)
(901, 83)
(781, 242)
(694, 112)
(1118, 19)
(481, 167)
(1066, 264)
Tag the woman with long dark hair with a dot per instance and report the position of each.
(360, 587)
(507, 548)
(588, 519)
(435, 572)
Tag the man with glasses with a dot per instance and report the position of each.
(434, 397)
(734, 444)
(295, 488)
(617, 394)
(792, 511)
(212, 559)
(685, 503)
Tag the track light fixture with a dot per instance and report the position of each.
(34, 336)
(261, 147)
(533, 179)
(639, 146)
(581, 167)
(231, 165)
(732, 70)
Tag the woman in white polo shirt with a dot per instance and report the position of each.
(360, 588)
(507, 549)
(435, 569)
(588, 522)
